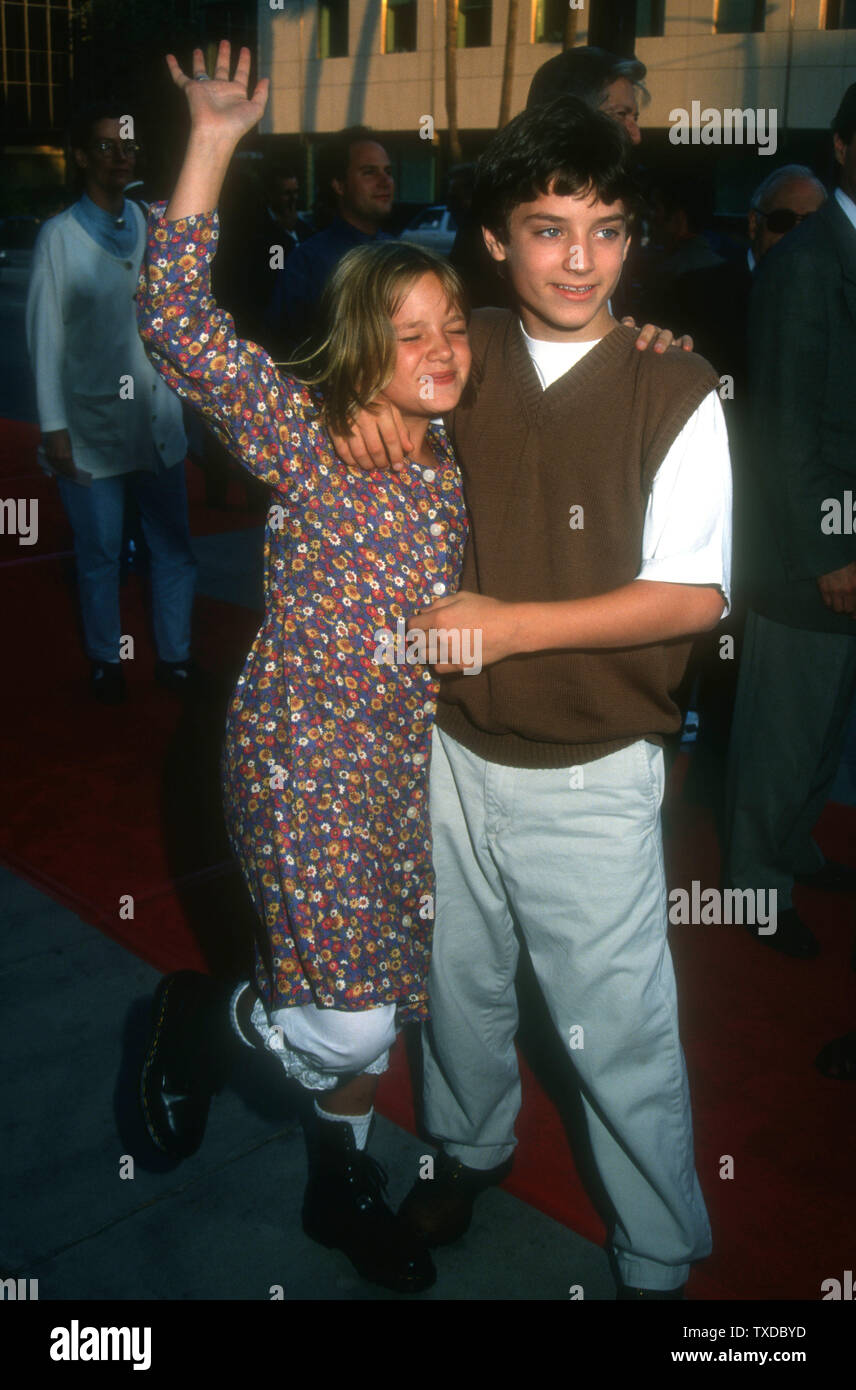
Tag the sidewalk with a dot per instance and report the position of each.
(224, 1224)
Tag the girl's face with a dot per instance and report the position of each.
(433, 359)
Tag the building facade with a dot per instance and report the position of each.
(382, 63)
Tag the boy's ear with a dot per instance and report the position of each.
(627, 242)
(495, 247)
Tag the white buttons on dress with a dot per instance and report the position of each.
(429, 475)
(439, 587)
(436, 529)
(407, 921)
(418, 759)
(412, 812)
(408, 866)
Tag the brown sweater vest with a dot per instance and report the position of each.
(593, 440)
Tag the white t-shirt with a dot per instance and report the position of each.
(686, 536)
(847, 205)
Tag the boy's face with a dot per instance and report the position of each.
(564, 258)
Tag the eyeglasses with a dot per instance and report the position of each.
(115, 147)
(782, 220)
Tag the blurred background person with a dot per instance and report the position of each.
(798, 673)
(110, 427)
(603, 80)
(358, 173)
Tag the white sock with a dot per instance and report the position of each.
(359, 1123)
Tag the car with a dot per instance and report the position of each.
(434, 228)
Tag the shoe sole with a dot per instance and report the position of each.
(395, 1286)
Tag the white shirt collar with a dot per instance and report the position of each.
(847, 205)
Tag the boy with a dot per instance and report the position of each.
(598, 485)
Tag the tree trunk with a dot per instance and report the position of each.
(455, 153)
(508, 66)
(571, 26)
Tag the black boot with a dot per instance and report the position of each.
(344, 1209)
(187, 1059)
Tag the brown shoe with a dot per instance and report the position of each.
(440, 1208)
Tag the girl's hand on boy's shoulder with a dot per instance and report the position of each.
(662, 338)
(487, 631)
(378, 439)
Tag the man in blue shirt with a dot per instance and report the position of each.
(359, 174)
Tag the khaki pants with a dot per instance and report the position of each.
(579, 869)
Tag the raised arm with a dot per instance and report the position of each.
(261, 417)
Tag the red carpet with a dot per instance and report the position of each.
(107, 805)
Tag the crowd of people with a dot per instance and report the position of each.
(478, 445)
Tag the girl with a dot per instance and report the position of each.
(326, 758)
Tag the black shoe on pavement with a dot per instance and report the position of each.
(830, 877)
(108, 682)
(344, 1209)
(440, 1209)
(186, 1061)
(181, 677)
(791, 937)
(837, 1059)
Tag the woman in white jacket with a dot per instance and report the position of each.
(109, 423)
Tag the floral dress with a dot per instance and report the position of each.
(325, 767)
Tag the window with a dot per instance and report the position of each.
(474, 18)
(333, 29)
(550, 18)
(432, 220)
(650, 19)
(38, 26)
(739, 16)
(400, 28)
(16, 65)
(39, 68)
(59, 30)
(14, 15)
(16, 103)
(841, 14)
(40, 106)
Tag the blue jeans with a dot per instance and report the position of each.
(96, 515)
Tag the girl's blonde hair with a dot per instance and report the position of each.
(355, 358)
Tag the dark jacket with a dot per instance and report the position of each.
(802, 364)
(292, 311)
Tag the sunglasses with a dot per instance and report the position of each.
(115, 147)
(782, 219)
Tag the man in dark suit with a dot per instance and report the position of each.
(798, 674)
